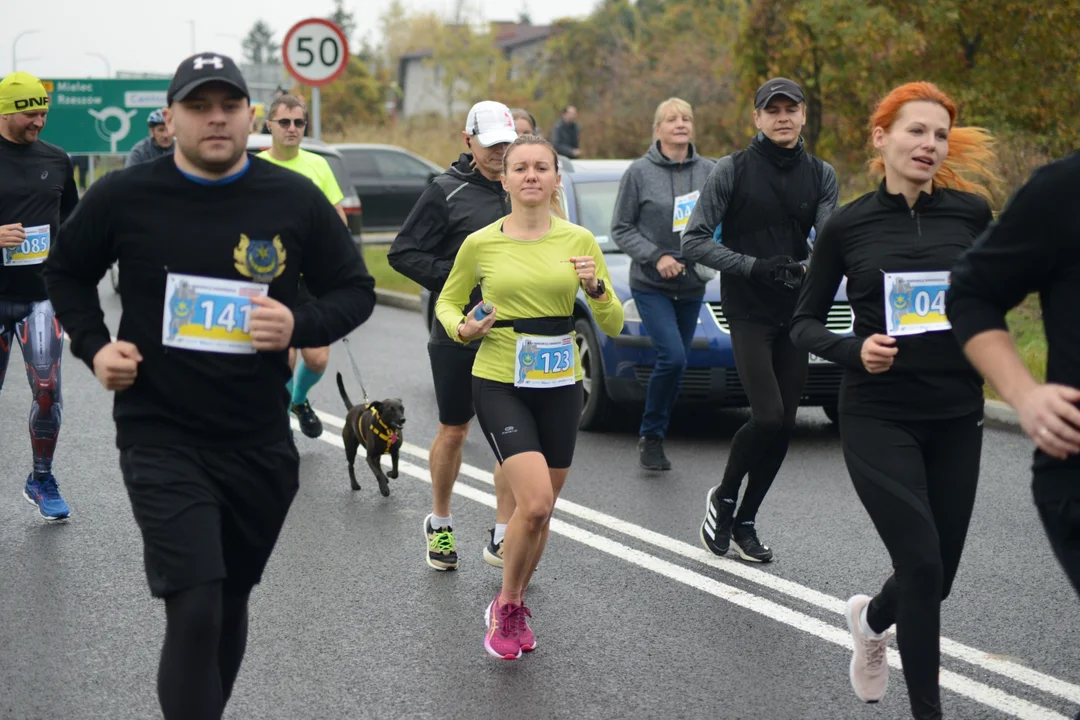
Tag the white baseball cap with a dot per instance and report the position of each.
(491, 123)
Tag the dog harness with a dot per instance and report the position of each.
(386, 434)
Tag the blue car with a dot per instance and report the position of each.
(616, 370)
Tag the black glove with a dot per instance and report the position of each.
(789, 275)
(764, 269)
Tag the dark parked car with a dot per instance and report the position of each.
(388, 180)
(617, 370)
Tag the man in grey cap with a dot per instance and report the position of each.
(764, 200)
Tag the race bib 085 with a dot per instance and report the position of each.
(544, 362)
(209, 314)
(34, 249)
(915, 302)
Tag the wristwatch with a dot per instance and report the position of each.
(600, 290)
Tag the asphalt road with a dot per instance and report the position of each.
(633, 618)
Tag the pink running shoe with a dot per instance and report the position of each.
(527, 638)
(503, 639)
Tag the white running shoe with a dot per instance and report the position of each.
(869, 665)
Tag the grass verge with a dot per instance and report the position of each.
(386, 278)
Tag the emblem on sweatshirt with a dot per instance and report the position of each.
(260, 260)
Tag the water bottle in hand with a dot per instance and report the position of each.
(483, 310)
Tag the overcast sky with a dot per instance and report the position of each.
(148, 36)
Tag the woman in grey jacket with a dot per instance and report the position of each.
(657, 194)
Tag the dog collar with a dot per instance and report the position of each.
(385, 434)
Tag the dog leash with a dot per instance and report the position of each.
(356, 370)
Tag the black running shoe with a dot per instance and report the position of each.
(493, 554)
(441, 549)
(651, 453)
(716, 527)
(747, 544)
(310, 424)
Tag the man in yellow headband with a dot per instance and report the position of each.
(37, 193)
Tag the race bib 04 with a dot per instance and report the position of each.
(915, 302)
(34, 249)
(209, 314)
(684, 208)
(544, 362)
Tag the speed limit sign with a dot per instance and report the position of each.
(315, 51)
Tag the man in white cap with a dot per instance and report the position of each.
(464, 199)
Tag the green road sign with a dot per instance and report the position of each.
(100, 116)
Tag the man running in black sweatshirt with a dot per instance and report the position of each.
(767, 199)
(1032, 247)
(211, 245)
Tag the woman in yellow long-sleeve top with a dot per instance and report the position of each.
(527, 373)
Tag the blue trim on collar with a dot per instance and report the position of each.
(220, 181)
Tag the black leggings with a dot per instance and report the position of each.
(917, 480)
(773, 373)
(205, 637)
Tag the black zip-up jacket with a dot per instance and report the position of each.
(1033, 246)
(456, 204)
(37, 187)
(267, 225)
(768, 198)
(876, 234)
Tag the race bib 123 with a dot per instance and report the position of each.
(209, 314)
(544, 362)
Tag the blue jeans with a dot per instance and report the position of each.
(670, 324)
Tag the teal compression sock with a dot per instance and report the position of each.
(305, 380)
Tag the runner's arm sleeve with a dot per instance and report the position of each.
(808, 330)
(1016, 255)
(625, 231)
(75, 265)
(70, 196)
(457, 289)
(412, 252)
(607, 313)
(830, 195)
(334, 270)
(697, 242)
(136, 155)
(330, 185)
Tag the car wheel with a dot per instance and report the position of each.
(832, 412)
(596, 412)
(114, 277)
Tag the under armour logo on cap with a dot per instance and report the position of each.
(200, 69)
(201, 62)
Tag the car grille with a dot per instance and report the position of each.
(822, 381)
(840, 319)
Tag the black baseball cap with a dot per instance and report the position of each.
(774, 87)
(202, 68)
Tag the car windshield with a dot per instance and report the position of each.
(595, 206)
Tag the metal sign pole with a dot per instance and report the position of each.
(316, 115)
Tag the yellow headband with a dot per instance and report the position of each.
(22, 92)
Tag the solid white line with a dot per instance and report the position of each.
(962, 685)
(1006, 668)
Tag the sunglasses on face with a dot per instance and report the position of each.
(283, 123)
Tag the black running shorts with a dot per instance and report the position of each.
(209, 515)
(517, 420)
(451, 369)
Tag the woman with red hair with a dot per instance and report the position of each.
(911, 406)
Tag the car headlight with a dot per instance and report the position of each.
(630, 312)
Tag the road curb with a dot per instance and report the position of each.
(1001, 415)
(401, 300)
(997, 413)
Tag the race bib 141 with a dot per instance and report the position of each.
(34, 249)
(209, 314)
(915, 302)
(544, 362)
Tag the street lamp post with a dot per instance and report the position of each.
(14, 43)
(108, 66)
(192, 24)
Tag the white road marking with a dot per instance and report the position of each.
(977, 691)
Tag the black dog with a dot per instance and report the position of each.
(376, 426)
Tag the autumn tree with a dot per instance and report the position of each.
(259, 46)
